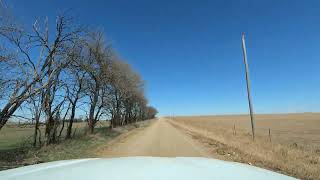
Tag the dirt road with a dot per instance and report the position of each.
(173, 138)
(159, 139)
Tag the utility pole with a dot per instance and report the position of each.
(248, 83)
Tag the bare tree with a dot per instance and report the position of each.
(151, 112)
(127, 94)
(71, 66)
(74, 94)
(18, 88)
(96, 64)
(66, 33)
(36, 111)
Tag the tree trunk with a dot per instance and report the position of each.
(36, 127)
(7, 112)
(49, 130)
(91, 120)
(73, 112)
(3, 120)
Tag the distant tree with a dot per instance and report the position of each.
(151, 112)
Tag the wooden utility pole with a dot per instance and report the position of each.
(248, 83)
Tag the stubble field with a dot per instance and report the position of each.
(292, 148)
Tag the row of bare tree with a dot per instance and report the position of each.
(61, 72)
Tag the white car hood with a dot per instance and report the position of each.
(140, 168)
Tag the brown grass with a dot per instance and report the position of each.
(294, 150)
(14, 135)
(14, 154)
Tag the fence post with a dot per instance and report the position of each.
(269, 135)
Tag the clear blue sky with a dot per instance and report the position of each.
(189, 52)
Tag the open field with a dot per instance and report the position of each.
(302, 129)
(294, 148)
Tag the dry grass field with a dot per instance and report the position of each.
(294, 148)
(16, 149)
(302, 129)
(12, 136)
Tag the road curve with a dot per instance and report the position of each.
(160, 139)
